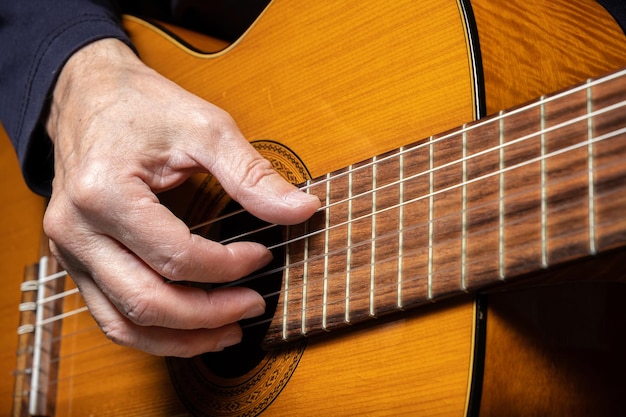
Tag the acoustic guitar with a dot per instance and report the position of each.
(475, 271)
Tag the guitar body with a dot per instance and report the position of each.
(21, 213)
(333, 83)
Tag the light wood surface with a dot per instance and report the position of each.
(21, 212)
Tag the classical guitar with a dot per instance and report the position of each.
(373, 305)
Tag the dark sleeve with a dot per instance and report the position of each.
(36, 38)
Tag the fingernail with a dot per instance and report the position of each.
(254, 311)
(298, 198)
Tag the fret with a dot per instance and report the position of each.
(565, 183)
(501, 268)
(400, 224)
(305, 279)
(464, 211)
(349, 244)
(590, 165)
(286, 285)
(305, 276)
(544, 192)
(361, 241)
(431, 214)
(520, 172)
(447, 218)
(292, 300)
(415, 226)
(326, 254)
(481, 203)
(384, 234)
(382, 240)
(372, 309)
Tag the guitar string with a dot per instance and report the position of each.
(406, 179)
(604, 110)
(251, 324)
(449, 271)
(425, 196)
(355, 245)
(452, 134)
(256, 323)
(105, 343)
(447, 165)
(427, 172)
(461, 184)
(389, 288)
(423, 173)
(335, 302)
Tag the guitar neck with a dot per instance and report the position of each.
(509, 195)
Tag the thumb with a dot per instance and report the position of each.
(251, 180)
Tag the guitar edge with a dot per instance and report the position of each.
(20, 213)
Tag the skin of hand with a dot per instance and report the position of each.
(121, 134)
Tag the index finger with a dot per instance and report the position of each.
(164, 242)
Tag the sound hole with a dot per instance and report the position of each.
(240, 359)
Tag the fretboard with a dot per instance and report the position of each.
(502, 197)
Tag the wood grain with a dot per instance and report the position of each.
(532, 48)
(508, 195)
(21, 212)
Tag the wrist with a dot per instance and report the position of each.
(83, 73)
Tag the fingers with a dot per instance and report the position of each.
(138, 289)
(265, 194)
(251, 179)
(156, 340)
(131, 300)
(146, 228)
(135, 134)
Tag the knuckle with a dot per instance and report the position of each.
(86, 190)
(141, 309)
(256, 170)
(221, 119)
(179, 257)
(83, 196)
(119, 332)
(57, 220)
(53, 222)
(214, 120)
(171, 267)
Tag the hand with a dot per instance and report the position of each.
(122, 133)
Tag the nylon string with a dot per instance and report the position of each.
(620, 105)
